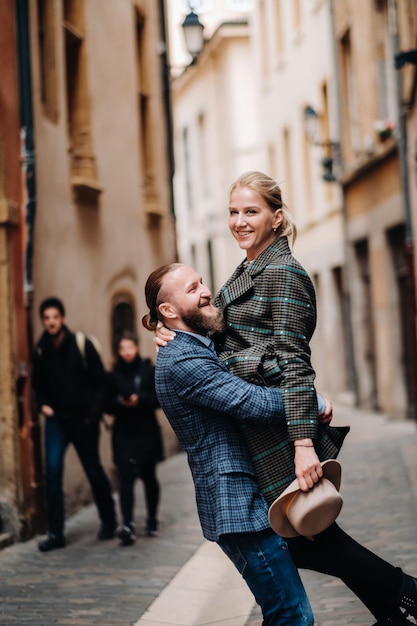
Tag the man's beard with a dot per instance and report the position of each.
(202, 324)
(55, 333)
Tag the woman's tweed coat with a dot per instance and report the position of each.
(270, 311)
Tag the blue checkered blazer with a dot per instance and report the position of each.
(205, 404)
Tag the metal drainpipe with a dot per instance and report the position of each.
(29, 171)
(352, 377)
(166, 85)
(409, 243)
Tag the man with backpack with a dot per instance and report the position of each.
(68, 378)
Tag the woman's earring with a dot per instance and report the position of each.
(275, 230)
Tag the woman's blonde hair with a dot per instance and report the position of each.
(271, 193)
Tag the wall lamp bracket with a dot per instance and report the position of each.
(402, 58)
(311, 127)
(311, 124)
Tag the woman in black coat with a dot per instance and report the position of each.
(136, 440)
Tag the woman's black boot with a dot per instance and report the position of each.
(398, 620)
(406, 600)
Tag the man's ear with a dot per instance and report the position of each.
(167, 310)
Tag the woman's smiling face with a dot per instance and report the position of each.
(251, 221)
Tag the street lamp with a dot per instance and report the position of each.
(193, 34)
(311, 127)
(311, 123)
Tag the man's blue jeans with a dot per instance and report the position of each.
(84, 435)
(265, 563)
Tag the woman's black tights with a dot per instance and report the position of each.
(128, 473)
(374, 581)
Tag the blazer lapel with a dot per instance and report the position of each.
(239, 283)
(241, 280)
(278, 248)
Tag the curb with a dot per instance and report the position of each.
(207, 590)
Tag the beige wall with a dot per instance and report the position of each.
(289, 60)
(87, 254)
(214, 106)
(374, 206)
(92, 254)
(252, 90)
(294, 59)
(14, 426)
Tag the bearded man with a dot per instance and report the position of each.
(204, 404)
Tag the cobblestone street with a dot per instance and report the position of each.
(91, 582)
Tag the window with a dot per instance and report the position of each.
(364, 330)
(263, 21)
(297, 15)
(47, 58)
(272, 160)
(325, 133)
(187, 169)
(144, 103)
(123, 319)
(349, 100)
(202, 153)
(402, 314)
(288, 196)
(341, 328)
(385, 79)
(306, 150)
(193, 253)
(211, 265)
(83, 168)
(147, 123)
(277, 21)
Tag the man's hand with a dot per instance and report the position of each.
(132, 400)
(308, 469)
(47, 410)
(327, 416)
(162, 335)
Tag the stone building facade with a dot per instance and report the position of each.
(101, 217)
(372, 104)
(243, 105)
(16, 481)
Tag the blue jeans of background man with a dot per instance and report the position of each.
(84, 435)
(265, 563)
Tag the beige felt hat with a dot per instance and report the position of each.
(308, 513)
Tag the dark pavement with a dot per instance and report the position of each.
(91, 582)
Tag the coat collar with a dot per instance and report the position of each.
(278, 247)
(241, 280)
(47, 344)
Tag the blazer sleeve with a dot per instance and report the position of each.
(294, 317)
(281, 303)
(200, 379)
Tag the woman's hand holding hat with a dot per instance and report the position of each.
(308, 469)
(296, 512)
